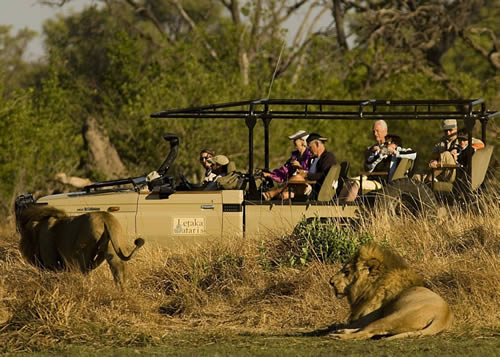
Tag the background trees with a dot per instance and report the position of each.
(117, 61)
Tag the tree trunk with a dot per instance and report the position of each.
(339, 24)
(101, 153)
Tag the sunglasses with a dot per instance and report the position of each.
(204, 158)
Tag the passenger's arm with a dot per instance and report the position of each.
(406, 153)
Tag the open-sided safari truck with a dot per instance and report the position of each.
(156, 209)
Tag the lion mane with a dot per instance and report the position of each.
(387, 298)
(53, 240)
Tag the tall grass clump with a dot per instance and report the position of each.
(276, 284)
(315, 239)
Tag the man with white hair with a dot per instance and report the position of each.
(374, 156)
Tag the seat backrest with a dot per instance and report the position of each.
(480, 161)
(327, 190)
(404, 165)
(231, 166)
(343, 176)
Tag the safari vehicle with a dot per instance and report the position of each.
(156, 209)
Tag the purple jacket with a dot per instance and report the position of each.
(286, 171)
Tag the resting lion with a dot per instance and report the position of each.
(52, 240)
(387, 298)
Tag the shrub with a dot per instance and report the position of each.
(313, 239)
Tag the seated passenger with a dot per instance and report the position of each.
(445, 152)
(307, 182)
(219, 169)
(205, 156)
(385, 160)
(459, 151)
(441, 153)
(299, 159)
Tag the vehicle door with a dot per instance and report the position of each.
(184, 217)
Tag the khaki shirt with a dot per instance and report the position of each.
(444, 144)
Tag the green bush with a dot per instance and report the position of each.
(313, 240)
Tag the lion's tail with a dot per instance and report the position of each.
(139, 242)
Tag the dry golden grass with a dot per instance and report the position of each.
(224, 286)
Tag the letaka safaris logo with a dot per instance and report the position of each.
(194, 225)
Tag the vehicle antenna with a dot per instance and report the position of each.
(275, 70)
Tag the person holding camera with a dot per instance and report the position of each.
(374, 160)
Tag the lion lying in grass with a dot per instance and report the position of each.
(52, 240)
(387, 298)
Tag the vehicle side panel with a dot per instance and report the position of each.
(184, 217)
(123, 205)
(278, 218)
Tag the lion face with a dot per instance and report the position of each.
(349, 277)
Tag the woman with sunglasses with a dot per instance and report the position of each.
(205, 156)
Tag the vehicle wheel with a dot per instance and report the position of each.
(405, 195)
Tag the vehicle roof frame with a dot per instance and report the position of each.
(469, 110)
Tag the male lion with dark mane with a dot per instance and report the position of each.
(387, 298)
(50, 239)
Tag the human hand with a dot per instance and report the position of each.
(266, 174)
(295, 163)
(454, 153)
(376, 148)
(302, 172)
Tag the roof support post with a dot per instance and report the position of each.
(266, 120)
(469, 125)
(250, 121)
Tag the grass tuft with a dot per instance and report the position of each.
(276, 285)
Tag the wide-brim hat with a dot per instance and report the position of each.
(219, 160)
(315, 136)
(449, 124)
(301, 134)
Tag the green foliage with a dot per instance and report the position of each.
(113, 64)
(40, 138)
(313, 240)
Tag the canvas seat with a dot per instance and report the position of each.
(480, 162)
(327, 191)
(403, 170)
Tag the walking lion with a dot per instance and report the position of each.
(387, 298)
(50, 239)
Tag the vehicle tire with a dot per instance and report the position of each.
(409, 196)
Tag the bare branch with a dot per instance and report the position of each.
(299, 54)
(193, 26)
(493, 55)
(149, 15)
(302, 27)
(53, 2)
(234, 8)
